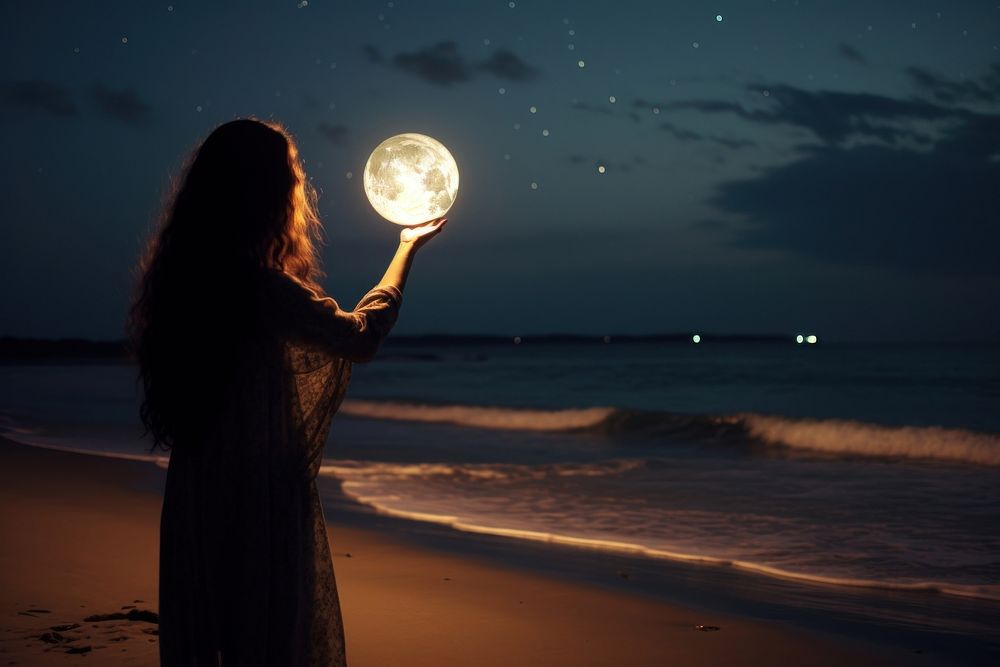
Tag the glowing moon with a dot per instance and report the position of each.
(411, 179)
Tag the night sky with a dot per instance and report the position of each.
(828, 167)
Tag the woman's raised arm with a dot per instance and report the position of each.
(410, 240)
(354, 335)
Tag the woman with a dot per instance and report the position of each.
(243, 363)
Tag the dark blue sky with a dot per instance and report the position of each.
(797, 166)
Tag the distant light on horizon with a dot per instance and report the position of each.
(811, 339)
(718, 18)
(696, 338)
(601, 169)
(800, 339)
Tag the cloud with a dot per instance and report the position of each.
(124, 105)
(926, 208)
(850, 53)
(682, 134)
(372, 54)
(505, 65)
(831, 115)
(733, 143)
(36, 95)
(949, 91)
(443, 65)
(440, 64)
(334, 133)
(921, 212)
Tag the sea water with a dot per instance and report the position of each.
(855, 466)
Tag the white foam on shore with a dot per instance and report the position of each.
(487, 417)
(373, 471)
(390, 505)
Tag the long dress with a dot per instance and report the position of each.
(246, 576)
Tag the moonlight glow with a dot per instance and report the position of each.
(411, 179)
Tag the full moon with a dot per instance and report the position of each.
(411, 179)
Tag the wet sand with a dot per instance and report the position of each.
(78, 579)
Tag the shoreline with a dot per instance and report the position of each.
(80, 536)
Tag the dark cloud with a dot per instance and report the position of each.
(949, 91)
(640, 103)
(831, 116)
(440, 64)
(930, 207)
(443, 65)
(372, 54)
(682, 134)
(506, 65)
(733, 143)
(897, 208)
(38, 95)
(848, 52)
(334, 133)
(124, 105)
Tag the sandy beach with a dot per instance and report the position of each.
(79, 543)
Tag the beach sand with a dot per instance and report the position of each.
(78, 537)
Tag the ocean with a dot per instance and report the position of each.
(864, 475)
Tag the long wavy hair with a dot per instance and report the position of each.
(241, 205)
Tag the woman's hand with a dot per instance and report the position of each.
(410, 239)
(421, 234)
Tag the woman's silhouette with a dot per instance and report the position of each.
(243, 363)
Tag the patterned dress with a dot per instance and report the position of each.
(246, 576)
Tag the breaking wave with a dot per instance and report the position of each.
(828, 436)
